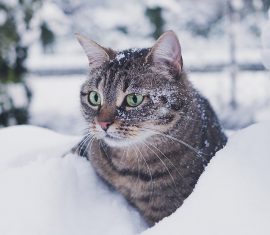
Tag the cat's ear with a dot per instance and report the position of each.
(97, 55)
(167, 50)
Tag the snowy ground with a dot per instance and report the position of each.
(42, 192)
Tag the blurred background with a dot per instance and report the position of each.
(42, 66)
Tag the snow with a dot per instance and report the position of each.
(252, 96)
(56, 103)
(3, 17)
(42, 192)
(55, 17)
(10, 3)
(232, 196)
(17, 92)
(120, 56)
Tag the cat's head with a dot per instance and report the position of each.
(131, 95)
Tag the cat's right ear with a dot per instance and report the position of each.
(96, 54)
(167, 51)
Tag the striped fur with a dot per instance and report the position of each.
(153, 154)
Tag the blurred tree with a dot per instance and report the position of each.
(232, 17)
(46, 36)
(155, 17)
(15, 26)
(266, 5)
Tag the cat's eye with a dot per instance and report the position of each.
(94, 98)
(134, 100)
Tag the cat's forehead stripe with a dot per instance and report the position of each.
(120, 97)
(98, 80)
(118, 69)
(126, 83)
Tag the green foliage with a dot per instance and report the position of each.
(9, 113)
(13, 54)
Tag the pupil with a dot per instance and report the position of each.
(96, 97)
(135, 99)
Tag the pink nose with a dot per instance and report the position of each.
(104, 125)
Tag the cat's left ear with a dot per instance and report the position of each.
(167, 51)
(97, 55)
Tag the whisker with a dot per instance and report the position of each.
(151, 177)
(166, 158)
(83, 144)
(76, 147)
(177, 140)
(162, 163)
(104, 150)
(89, 142)
(172, 178)
(138, 166)
(90, 147)
(124, 153)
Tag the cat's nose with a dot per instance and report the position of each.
(104, 125)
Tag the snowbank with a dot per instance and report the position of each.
(43, 193)
(232, 196)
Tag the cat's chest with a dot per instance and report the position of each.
(134, 169)
(116, 168)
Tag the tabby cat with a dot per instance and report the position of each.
(150, 133)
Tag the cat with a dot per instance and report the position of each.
(150, 134)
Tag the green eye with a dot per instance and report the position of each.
(94, 98)
(134, 100)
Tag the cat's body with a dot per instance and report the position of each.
(154, 152)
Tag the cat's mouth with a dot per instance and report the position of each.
(116, 141)
(111, 137)
(123, 141)
(125, 137)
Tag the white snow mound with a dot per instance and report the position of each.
(232, 196)
(43, 193)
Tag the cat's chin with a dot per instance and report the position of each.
(123, 142)
(117, 142)
(120, 142)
